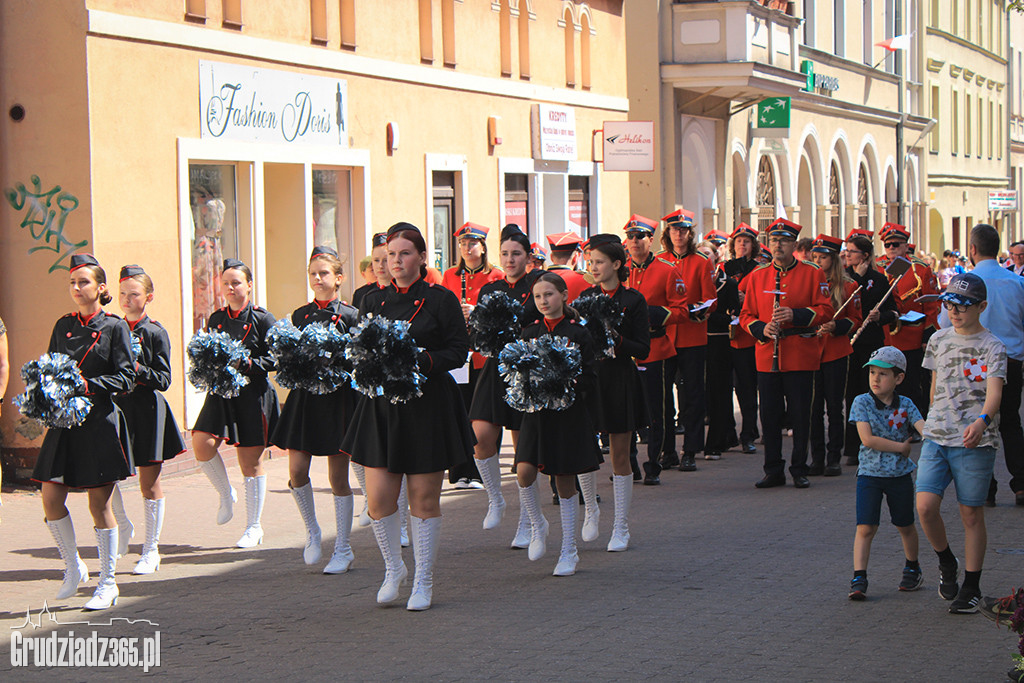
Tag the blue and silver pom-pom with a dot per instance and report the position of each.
(600, 315)
(53, 391)
(312, 359)
(540, 374)
(495, 322)
(385, 360)
(136, 347)
(214, 360)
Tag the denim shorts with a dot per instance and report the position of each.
(970, 469)
(898, 492)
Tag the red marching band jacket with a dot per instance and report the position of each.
(918, 281)
(453, 281)
(804, 289)
(656, 280)
(696, 283)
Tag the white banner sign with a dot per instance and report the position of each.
(1002, 200)
(554, 132)
(262, 105)
(628, 145)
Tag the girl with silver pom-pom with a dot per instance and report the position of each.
(623, 408)
(97, 453)
(155, 435)
(559, 443)
(421, 437)
(314, 424)
(246, 420)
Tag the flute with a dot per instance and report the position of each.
(877, 307)
(778, 335)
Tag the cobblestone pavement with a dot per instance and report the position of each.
(721, 582)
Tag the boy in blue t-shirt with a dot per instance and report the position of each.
(883, 420)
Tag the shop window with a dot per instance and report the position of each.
(524, 40)
(426, 33)
(348, 24)
(444, 219)
(214, 234)
(195, 10)
(505, 37)
(448, 31)
(332, 211)
(318, 21)
(570, 50)
(934, 138)
(579, 204)
(585, 50)
(517, 201)
(232, 14)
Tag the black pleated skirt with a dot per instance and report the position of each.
(314, 423)
(245, 420)
(430, 433)
(559, 441)
(489, 399)
(95, 453)
(622, 400)
(154, 431)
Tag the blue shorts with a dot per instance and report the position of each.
(898, 492)
(970, 469)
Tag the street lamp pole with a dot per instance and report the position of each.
(900, 162)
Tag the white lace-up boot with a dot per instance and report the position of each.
(303, 496)
(218, 476)
(150, 560)
(255, 494)
(425, 536)
(342, 558)
(490, 474)
(106, 590)
(364, 515)
(538, 525)
(623, 496)
(387, 533)
(125, 528)
(75, 571)
(568, 557)
(592, 516)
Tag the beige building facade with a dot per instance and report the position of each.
(834, 169)
(174, 133)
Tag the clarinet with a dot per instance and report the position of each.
(463, 275)
(778, 288)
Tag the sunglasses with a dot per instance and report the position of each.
(636, 235)
(959, 308)
(893, 245)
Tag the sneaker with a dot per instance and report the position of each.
(712, 455)
(859, 588)
(1001, 610)
(462, 483)
(949, 577)
(967, 601)
(475, 484)
(912, 579)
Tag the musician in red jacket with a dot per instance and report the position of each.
(784, 301)
(564, 247)
(697, 286)
(666, 307)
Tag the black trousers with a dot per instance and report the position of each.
(718, 391)
(856, 384)
(658, 377)
(690, 380)
(1009, 424)
(779, 393)
(745, 381)
(829, 393)
(911, 385)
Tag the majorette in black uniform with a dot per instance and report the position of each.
(155, 434)
(718, 372)
(251, 417)
(315, 423)
(742, 344)
(98, 451)
(430, 433)
(357, 296)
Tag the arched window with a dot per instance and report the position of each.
(835, 200)
(585, 47)
(570, 48)
(863, 200)
(505, 37)
(765, 194)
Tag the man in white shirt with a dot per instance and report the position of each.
(1016, 262)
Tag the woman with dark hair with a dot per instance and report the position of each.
(314, 424)
(489, 412)
(622, 408)
(465, 281)
(96, 454)
(422, 437)
(559, 443)
(860, 259)
(718, 382)
(743, 250)
(155, 435)
(830, 379)
(247, 420)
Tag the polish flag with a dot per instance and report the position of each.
(897, 43)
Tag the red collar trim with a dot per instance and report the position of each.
(612, 291)
(552, 324)
(86, 321)
(232, 314)
(323, 304)
(131, 325)
(403, 290)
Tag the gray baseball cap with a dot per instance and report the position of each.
(888, 357)
(966, 289)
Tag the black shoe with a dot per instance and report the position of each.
(688, 463)
(800, 481)
(651, 479)
(859, 588)
(990, 499)
(1019, 498)
(605, 450)
(949, 576)
(816, 469)
(680, 429)
(732, 442)
(771, 481)
(1001, 610)
(748, 447)
(852, 461)
(669, 461)
(833, 470)
(966, 601)
(912, 579)
(554, 499)
(637, 475)
(1015, 675)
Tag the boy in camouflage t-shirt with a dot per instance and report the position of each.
(968, 365)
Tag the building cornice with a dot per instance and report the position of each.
(138, 29)
(830, 59)
(932, 31)
(947, 179)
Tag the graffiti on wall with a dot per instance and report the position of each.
(45, 212)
